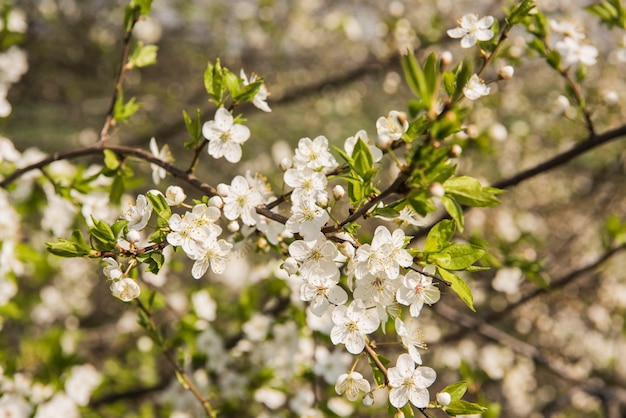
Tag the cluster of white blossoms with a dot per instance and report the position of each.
(197, 234)
(471, 30)
(13, 61)
(20, 397)
(571, 47)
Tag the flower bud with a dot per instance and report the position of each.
(286, 163)
(322, 199)
(610, 97)
(338, 192)
(174, 195)
(233, 226)
(346, 249)
(398, 414)
(133, 236)
(455, 151)
(216, 201)
(506, 72)
(471, 131)
(290, 265)
(223, 189)
(437, 190)
(445, 58)
(368, 400)
(444, 398)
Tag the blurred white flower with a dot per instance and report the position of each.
(472, 29)
(260, 99)
(165, 155)
(475, 88)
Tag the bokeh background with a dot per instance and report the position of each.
(548, 336)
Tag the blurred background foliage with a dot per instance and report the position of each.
(332, 68)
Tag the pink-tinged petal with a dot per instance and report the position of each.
(399, 396)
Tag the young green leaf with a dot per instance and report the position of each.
(460, 407)
(439, 236)
(468, 191)
(456, 390)
(143, 56)
(159, 204)
(457, 256)
(454, 210)
(458, 286)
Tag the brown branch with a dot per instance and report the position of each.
(97, 149)
(109, 121)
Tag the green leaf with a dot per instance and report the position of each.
(454, 210)
(468, 191)
(102, 234)
(117, 188)
(159, 204)
(463, 72)
(460, 407)
(610, 12)
(362, 157)
(214, 82)
(439, 236)
(413, 73)
(66, 248)
(248, 92)
(144, 6)
(456, 390)
(520, 12)
(458, 286)
(110, 160)
(122, 111)
(459, 256)
(194, 127)
(449, 82)
(431, 74)
(232, 82)
(154, 260)
(143, 55)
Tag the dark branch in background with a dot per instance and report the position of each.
(592, 141)
(554, 286)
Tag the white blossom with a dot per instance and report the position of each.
(573, 52)
(352, 384)
(138, 215)
(409, 383)
(475, 88)
(352, 323)
(164, 155)
(212, 253)
(241, 201)
(125, 289)
(472, 29)
(81, 383)
(391, 128)
(322, 291)
(314, 154)
(416, 290)
(412, 337)
(350, 142)
(225, 137)
(316, 257)
(307, 220)
(260, 98)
